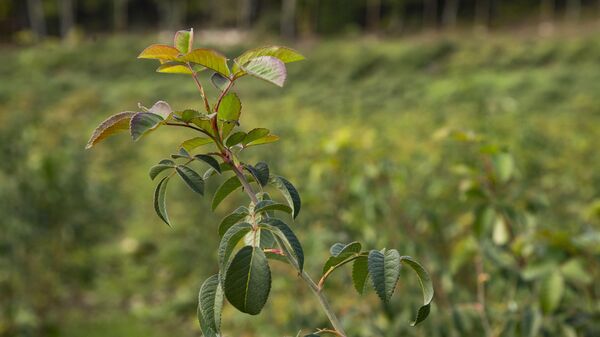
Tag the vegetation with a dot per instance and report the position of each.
(244, 276)
(475, 155)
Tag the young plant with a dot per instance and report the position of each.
(252, 234)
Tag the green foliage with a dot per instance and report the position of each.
(384, 269)
(248, 280)
(191, 178)
(224, 190)
(85, 256)
(114, 124)
(210, 305)
(160, 203)
(245, 279)
(289, 192)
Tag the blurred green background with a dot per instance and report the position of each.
(466, 136)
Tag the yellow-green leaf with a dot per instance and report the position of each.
(264, 140)
(114, 124)
(159, 52)
(208, 58)
(284, 54)
(195, 142)
(173, 68)
(183, 40)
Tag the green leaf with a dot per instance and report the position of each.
(284, 232)
(210, 161)
(270, 205)
(230, 239)
(341, 254)
(426, 287)
(173, 67)
(255, 134)
(248, 280)
(157, 169)
(267, 239)
(360, 273)
(551, 291)
(183, 40)
(142, 123)
(384, 268)
(230, 107)
(224, 190)
(195, 142)
(208, 58)
(264, 140)
(160, 200)
(182, 154)
(159, 52)
(289, 193)
(187, 115)
(574, 271)
(210, 305)
(284, 54)
(231, 219)
(235, 138)
(219, 81)
(504, 166)
(229, 111)
(211, 171)
(191, 178)
(260, 172)
(114, 124)
(204, 123)
(267, 68)
(340, 248)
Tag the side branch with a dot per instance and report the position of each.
(200, 88)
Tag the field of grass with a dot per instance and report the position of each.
(364, 127)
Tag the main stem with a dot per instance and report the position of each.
(335, 322)
(226, 153)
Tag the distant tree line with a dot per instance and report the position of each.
(290, 18)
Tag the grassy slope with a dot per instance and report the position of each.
(536, 96)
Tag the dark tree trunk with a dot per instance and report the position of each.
(36, 18)
(67, 17)
(172, 14)
(288, 19)
(120, 14)
(246, 13)
(483, 9)
(573, 10)
(430, 13)
(547, 8)
(450, 13)
(396, 16)
(373, 15)
(310, 17)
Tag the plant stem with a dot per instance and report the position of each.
(200, 88)
(191, 127)
(228, 156)
(335, 322)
